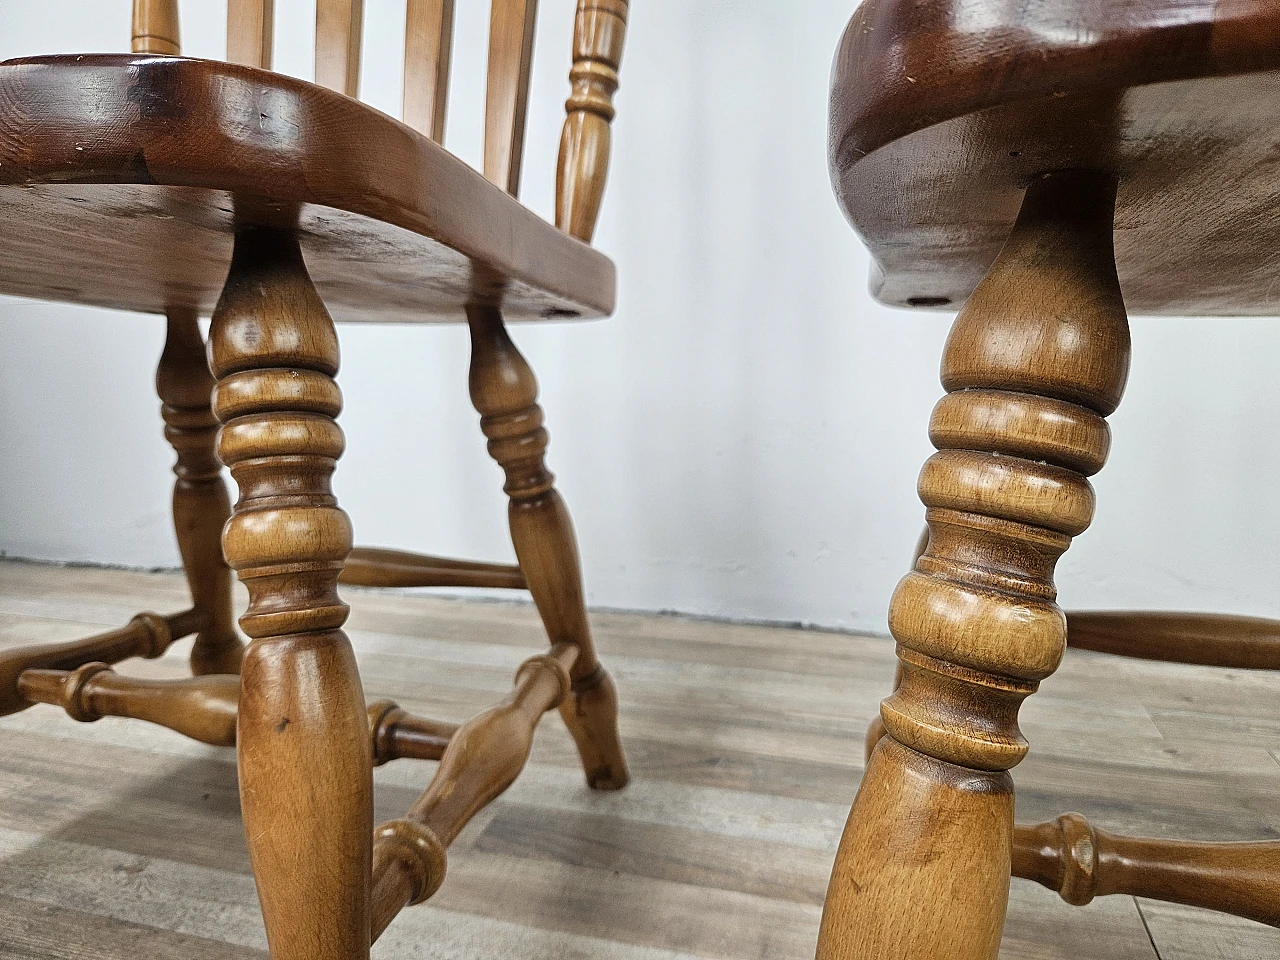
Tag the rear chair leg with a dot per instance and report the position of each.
(504, 391)
(306, 784)
(201, 505)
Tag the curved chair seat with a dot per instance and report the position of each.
(393, 227)
(942, 112)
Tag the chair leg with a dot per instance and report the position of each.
(1035, 361)
(201, 506)
(504, 391)
(875, 729)
(305, 760)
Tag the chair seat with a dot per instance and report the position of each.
(122, 178)
(942, 111)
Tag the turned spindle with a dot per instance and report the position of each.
(202, 708)
(1036, 359)
(155, 27)
(146, 635)
(484, 757)
(505, 393)
(396, 734)
(201, 504)
(1081, 862)
(303, 737)
(599, 32)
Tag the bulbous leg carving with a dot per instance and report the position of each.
(1036, 359)
(201, 506)
(303, 738)
(504, 391)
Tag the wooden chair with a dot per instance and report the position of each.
(1047, 165)
(182, 187)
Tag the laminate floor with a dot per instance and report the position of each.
(119, 840)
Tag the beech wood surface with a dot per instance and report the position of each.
(428, 54)
(942, 112)
(1210, 639)
(394, 228)
(1035, 361)
(1081, 862)
(379, 567)
(599, 33)
(202, 708)
(504, 392)
(156, 27)
(146, 635)
(339, 31)
(511, 29)
(483, 759)
(305, 760)
(250, 32)
(201, 504)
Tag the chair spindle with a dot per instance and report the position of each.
(585, 145)
(511, 29)
(428, 53)
(155, 27)
(250, 30)
(339, 25)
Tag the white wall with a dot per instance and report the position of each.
(741, 440)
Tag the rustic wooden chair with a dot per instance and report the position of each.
(176, 186)
(1047, 165)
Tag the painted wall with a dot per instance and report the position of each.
(741, 440)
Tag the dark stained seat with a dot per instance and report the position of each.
(393, 226)
(942, 111)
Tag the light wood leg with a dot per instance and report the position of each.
(504, 391)
(303, 736)
(201, 506)
(1035, 361)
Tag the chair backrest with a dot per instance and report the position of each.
(585, 146)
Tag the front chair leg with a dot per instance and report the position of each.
(505, 393)
(305, 762)
(1036, 359)
(201, 505)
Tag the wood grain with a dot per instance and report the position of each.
(302, 737)
(428, 54)
(720, 847)
(504, 392)
(922, 868)
(511, 29)
(394, 227)
(599, 33)
(201, 503)
(943, 112)
(251, 32)
(339, 31)
(1213, 640)
(155, 27)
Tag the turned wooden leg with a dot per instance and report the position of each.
(875, 729)
(201, 505)
(303, 736)
(1036, 359)
(504, 391)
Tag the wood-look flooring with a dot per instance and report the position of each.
(119, 840)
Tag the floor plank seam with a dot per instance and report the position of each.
(1147, 927)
